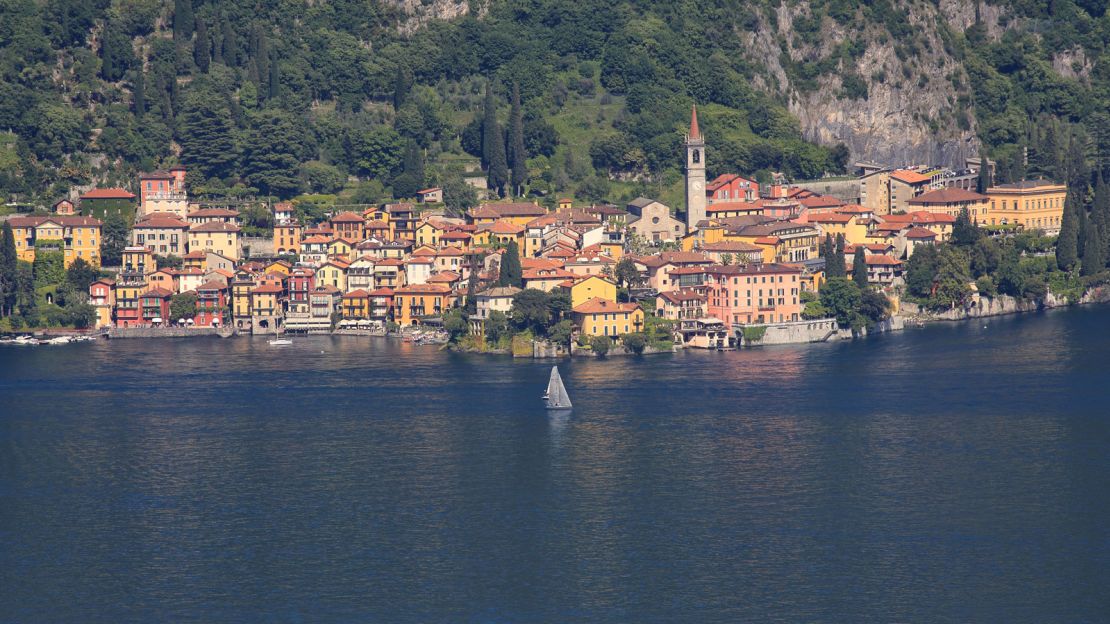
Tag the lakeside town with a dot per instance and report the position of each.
(741, 263)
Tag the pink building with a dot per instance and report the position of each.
(753, 294)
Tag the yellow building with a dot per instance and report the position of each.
(218, 237)
(333, 273)
(852, 228)
(287, 238)
(782, 241)
(356, 305)
(428, 233)
(278, 266)
(75, 237)
(598, 317)
(341, 248)
(950, 201)
(415, 302)
(516, 213)
(592, 287)
(1032, 204)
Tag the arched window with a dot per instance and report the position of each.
(697, 156)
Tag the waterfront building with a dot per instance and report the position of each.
(601, 317)
(583, 289)
(333, 273)
(102, 297)
(381, 305)
(287, 238)
(356, 305)
(211, 303)
(417, 302)
(154, 307)
(753, 294)
(163, 233)
(1029, 204)
(267, 314)
(680, 304)
(73, 237)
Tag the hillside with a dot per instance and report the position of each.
(370, 100)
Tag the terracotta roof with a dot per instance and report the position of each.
(519, 209)
(416, 289)
(821, 201)
(947, 196)
(212, 212)
(504, 227)
(212, 285)
(853, 209)
(731, 246)
(62, 221)
(357, 294)
(157, 291)
(337, 262)
(920, 216)
(500, 291)
(160, 174)
(215, 226)
(161, 220)
(389, 262)
(597, 305)
(429, 190)
(381, 292)
(455, 235)
(446, 277)
(546, 274)
(695, 132)
(920, 232)
(678, 296)
(909, 177)
(268, 289)
(347, 217)
(311, 240)
(540, 263)
(767, 240)
(733, 206)
(421, 260)
(881, 260)
(108, 193)
(831, 217)
(194, 255)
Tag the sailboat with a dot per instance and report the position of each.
(556, 397)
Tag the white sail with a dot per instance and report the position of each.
(556, 395)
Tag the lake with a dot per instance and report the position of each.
(956, 473)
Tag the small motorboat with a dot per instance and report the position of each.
(280, 342)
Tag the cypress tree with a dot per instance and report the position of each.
(138, 92)
(182, 20)
(231, 44)
(1093, 260)
(8, 270)
(859, 268)
(834, 265)
(984, 181)
(202, 47)
(510, 273)
(489, 126)
(517, 154)
(1067, 244)
(1081, 237)
(401, 87)
(107, 54)
(498, 167)
(275, 78)
(262, 61)
(217, 42)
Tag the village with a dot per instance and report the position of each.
(740, 263)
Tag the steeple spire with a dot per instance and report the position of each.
(695, 132)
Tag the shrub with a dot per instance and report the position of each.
(601, 344)
(634, 342)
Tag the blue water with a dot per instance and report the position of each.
(957, 473)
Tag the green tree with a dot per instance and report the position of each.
(921, 271)
(1067, 244)
(1093, 260)
(601, 345)
(952, 284)
(207, 134)
(561, 333)
(626, 273)
(182, 20)
(859, 268)
(489, 127)
(531, 311)
(841, 298)
(498, 175)
(80, 275)
(183, 306)
(834, 262)
(517, 153)
(984, 181)
(138, 94)
(202, 48)
(511, 273)
(459, 196)
(375, 153)
(49, 265)
(964, 231)
(634, 342)
(411, 179)
(115, 53)
(8, 270)
(402, 85)
(272, 155)
(455, 324)
(497, 326)
(114, 238)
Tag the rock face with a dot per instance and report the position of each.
(420, 12)
(908, 116)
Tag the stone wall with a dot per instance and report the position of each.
(258, 246)
(796, 332)
(161, 332)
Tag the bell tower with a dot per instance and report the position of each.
(695, 174)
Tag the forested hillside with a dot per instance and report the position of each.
(377, 99)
